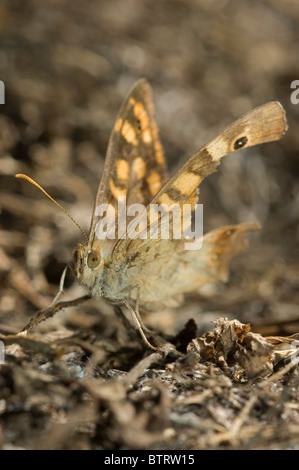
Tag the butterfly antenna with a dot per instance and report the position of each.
(25, 177)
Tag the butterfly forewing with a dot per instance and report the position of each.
(262, 124)
(135, 166)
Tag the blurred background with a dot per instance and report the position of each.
(67, 65)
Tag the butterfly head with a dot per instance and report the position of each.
(88, 266)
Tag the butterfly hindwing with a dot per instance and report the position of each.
(185, 271)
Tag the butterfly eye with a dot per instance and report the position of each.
(138, 124)
(93, 259)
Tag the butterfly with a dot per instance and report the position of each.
(151, 272)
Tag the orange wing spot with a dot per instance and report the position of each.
(139, 167)
(116, 192)
(118, 124)
(129, 133)
(159, 153)
(122, 170)
(154, 182)
(187, 182)
(141, 114)
(147, 136)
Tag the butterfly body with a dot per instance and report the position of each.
(102, 277)
(155, 271)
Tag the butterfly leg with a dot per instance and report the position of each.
(138, 314)
(61, 285)
(138, 326)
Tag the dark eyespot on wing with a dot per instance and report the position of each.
(240, 142)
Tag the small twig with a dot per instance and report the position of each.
(232, 435)
(240, 420)
(50, 311)
(36, 345)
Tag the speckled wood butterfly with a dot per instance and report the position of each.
(132, 271)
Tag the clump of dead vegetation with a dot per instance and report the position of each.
(230, 388)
